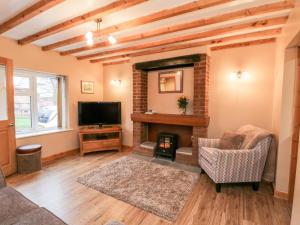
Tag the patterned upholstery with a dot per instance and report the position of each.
(233, 166)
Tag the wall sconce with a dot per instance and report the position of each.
(239, 75)
(116, 83)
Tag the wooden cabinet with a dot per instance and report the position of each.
(100, 139)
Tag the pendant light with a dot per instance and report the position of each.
(89, 36)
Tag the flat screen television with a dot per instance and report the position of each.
(99, 113)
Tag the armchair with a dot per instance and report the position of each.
(233, 166)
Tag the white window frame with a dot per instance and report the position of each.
(32, 92)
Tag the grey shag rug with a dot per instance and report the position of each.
(159, 189)
(113, 222)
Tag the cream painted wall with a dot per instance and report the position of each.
(233, 103)
(122, 93)
(286, 123)
(168, 101)
(283, 95)
(32, 58)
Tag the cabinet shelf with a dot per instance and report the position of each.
(92, 140)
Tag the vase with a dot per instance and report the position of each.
(183, 111)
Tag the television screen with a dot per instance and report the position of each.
(94, 113)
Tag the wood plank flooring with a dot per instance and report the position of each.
(56, 189)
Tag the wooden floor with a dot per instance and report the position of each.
(56, 189)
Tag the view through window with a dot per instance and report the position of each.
(39, 99)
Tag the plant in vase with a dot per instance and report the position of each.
(182, 103)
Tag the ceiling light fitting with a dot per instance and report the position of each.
(89, 36)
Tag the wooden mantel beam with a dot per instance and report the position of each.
(164, 14)
(89, 16)
(186, 120)
(190, 37)
(259, 34)
(254, 11)
(34, 10)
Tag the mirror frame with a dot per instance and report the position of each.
(168, 72)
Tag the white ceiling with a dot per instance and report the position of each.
(71, 8)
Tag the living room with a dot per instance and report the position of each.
(149, 112)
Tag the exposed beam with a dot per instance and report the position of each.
(254, 11)
(34, 10)
(190, 37)
(164, 14)
(97, 13)
(258, 34)
(244, 44)
(116, 62)
(111, 58)
(174, 62)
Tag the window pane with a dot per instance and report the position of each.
(47, 102)
(23, 112)
(3, 97)
(21, 82)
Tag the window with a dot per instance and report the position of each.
(39, 101)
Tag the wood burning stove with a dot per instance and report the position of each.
(166, 145)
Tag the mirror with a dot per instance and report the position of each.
(170, 81)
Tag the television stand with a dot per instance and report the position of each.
(100, 139)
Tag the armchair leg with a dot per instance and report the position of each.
(255, 186)
(218, 188)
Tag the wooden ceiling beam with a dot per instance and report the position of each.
(258, 34)
(34, 10)
(164, 14)
(84, 18)
(111, 58)
(190, 37)
(254, 11)
(244, 44)
(116, 62)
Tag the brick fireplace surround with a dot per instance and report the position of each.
(197, 123)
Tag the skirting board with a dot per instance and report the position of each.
(51, 158)
(60, 155)
(127, 148)
(281, 195)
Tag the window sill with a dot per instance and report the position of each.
(40, 133)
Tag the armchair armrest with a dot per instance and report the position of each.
(2, 179)
(243, 165)
(208, 142)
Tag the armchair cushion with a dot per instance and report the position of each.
(231, 140)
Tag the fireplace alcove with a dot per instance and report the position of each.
(188, 127)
